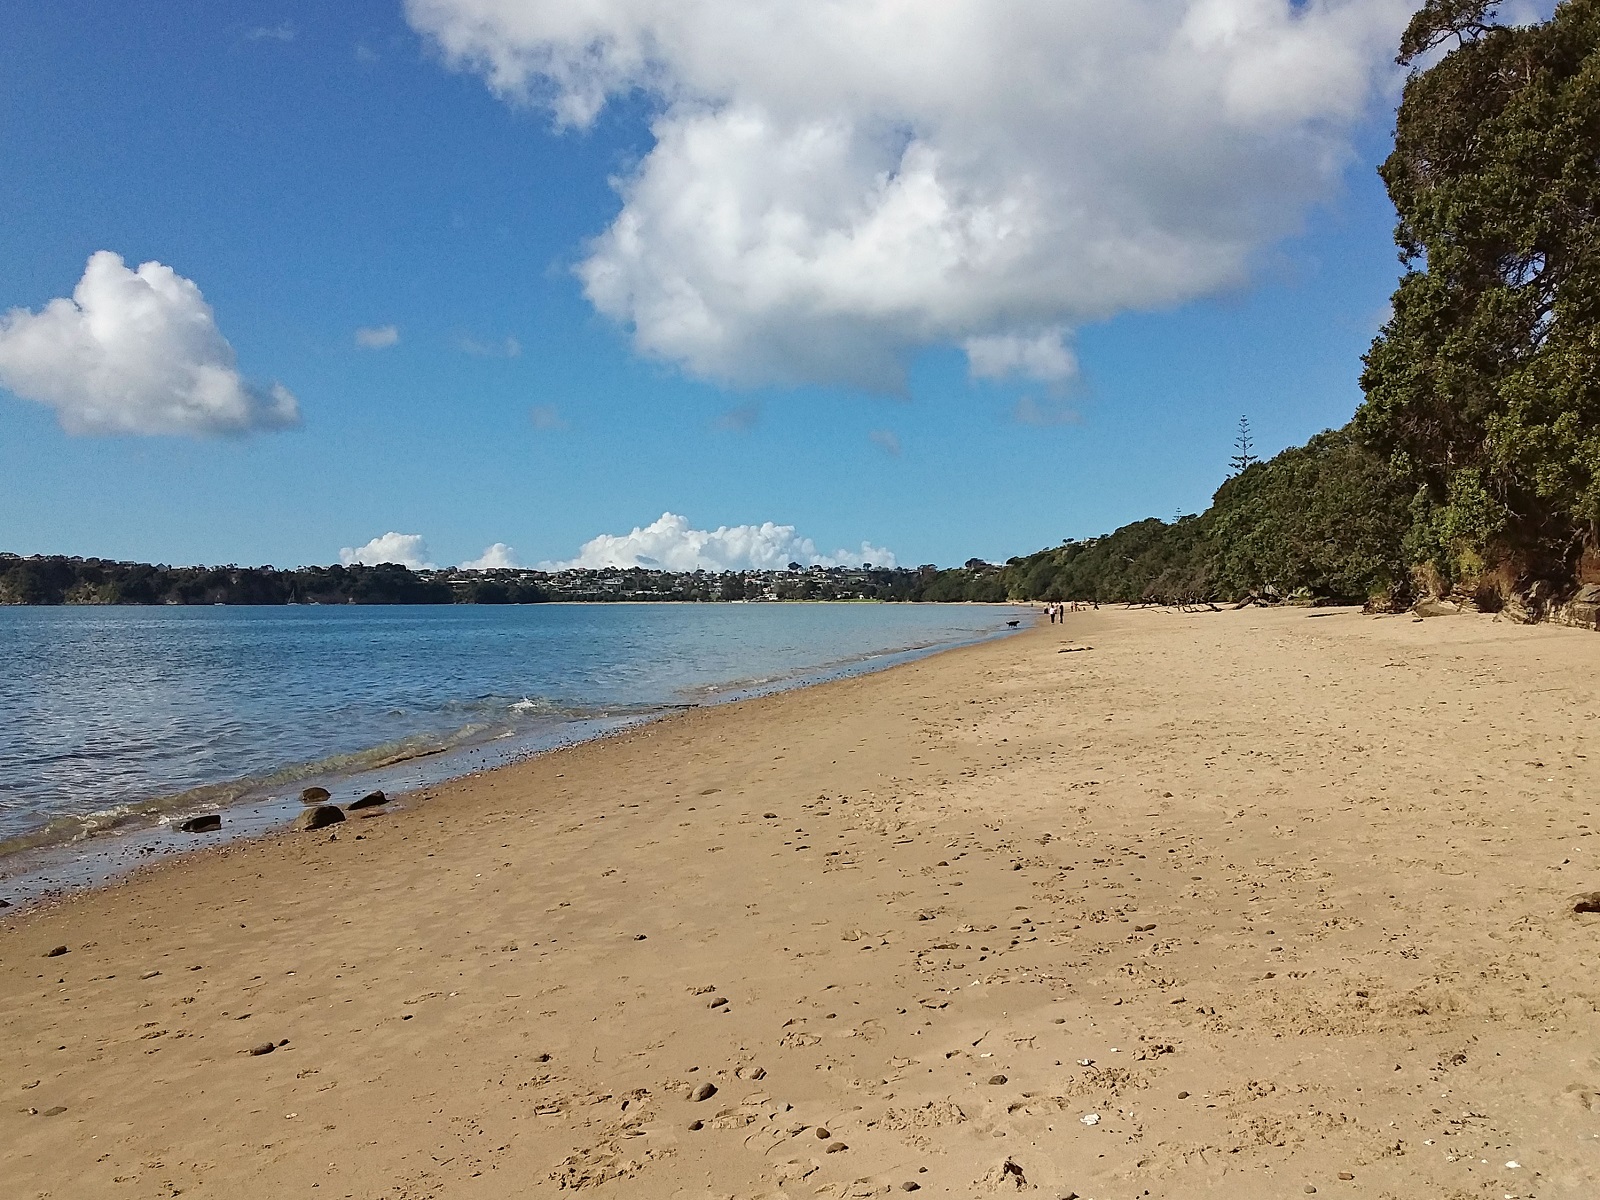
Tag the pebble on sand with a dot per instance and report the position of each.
(315, 795)
(320, 817)
(1346, 1175)
(997, 1079)
(704, 1092)
(823, 1133)
(57, 952)
(910, 1185)
(262, 1048)
(1588, 902)
(208, 823)
(370, 800)
(835, 1147)
(696, 1126)
(56, 1111)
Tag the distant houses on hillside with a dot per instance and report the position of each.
(57, 579)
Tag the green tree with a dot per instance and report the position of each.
(1244, 449)
(1484, 385)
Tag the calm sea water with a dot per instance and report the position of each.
(116, 718)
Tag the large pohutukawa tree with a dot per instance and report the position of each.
(1484, 385)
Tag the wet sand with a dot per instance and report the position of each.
(1231, 905)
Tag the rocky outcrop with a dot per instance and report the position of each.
(1543, 601)
(1582, 610)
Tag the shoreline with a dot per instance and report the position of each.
(1276, 897)
(137, 831)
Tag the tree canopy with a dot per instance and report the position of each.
(1484, 386)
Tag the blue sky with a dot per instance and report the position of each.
(319, 169)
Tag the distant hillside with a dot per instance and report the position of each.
(48, 580)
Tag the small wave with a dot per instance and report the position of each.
(155, 810)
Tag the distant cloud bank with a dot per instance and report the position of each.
(984, 173)
(498, 557)
(670, 544)
(135, 352)
(406, 549)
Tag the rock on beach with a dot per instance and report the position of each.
(320, 817)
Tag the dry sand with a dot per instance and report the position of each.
(1272, 895)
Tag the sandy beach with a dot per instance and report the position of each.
(1240, 904)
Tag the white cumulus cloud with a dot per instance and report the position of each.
(407, 549)
(135, 352)
(377, 337)
(834, 185)
(498, 557)
(1044, 357)
(671, 544)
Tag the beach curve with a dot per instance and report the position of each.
(1272, 899)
